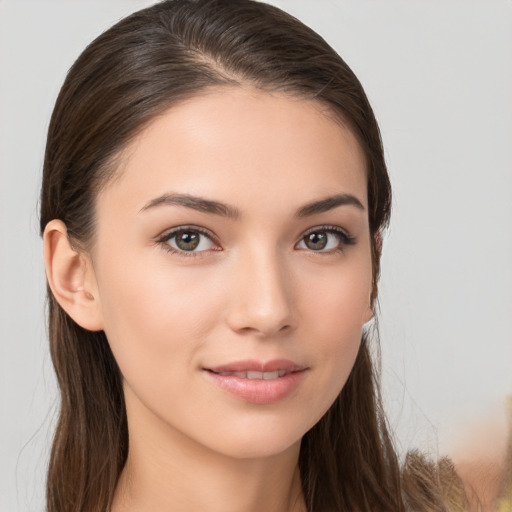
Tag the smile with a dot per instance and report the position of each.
(257, 382)
(254, 374)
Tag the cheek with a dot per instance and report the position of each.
(334, 314)
(339, 299)
(155, 320)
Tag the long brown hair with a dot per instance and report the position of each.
(131, 73)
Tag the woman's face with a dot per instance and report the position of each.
(233, 270)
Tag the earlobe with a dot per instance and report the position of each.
(368, 315)
(71, 277)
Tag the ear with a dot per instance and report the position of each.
(378, 243)
(376, 248)
(368, 314)
(71, 277)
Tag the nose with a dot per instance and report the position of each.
(262, 300)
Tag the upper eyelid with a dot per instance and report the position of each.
(171, 232)
(327, 228)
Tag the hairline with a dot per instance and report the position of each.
(111, 170)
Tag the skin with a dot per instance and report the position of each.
(255, 290)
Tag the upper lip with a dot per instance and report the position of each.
(253, 365)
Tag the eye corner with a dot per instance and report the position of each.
(343, 237)
(165, 238)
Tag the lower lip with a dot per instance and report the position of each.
(258, 391)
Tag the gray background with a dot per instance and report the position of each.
(439, 75)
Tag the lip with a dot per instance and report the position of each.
(257, 391)
(274, 365)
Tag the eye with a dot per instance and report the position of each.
(187, 241)
(192, 241)
(326, 239)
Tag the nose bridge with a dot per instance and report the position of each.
(263, 297)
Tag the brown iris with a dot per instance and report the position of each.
(316, 241)
(187, 240)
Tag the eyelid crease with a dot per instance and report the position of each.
(327, 228)
(171, 233)
(345, 238)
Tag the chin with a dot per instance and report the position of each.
(254, 438)
(257, 447)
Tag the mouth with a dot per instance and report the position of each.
(257, 370)
(254, 374)
(257, 382)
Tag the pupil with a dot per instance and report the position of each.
(316, 241)
(187, 241)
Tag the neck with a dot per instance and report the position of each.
(166, 470)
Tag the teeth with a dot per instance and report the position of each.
(255, 375)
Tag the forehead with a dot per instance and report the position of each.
(238, 143)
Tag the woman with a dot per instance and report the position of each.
(214, 194)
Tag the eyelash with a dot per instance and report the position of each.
(344, 239)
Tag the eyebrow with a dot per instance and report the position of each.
(204, 205)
